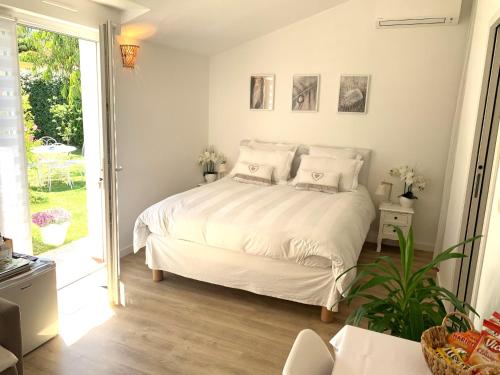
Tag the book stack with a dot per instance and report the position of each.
(12, 267)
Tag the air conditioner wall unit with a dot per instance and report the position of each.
(408, 13)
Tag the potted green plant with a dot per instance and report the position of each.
(411, 301)
(53, 224)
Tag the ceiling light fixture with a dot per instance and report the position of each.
(129, 55)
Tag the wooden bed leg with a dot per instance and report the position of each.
(326, 315)
(157, 275)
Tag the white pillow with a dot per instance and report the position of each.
(272, 146)
(280, 160)
(322, 181)
(252, 173)
(334, 153)
(348, 169)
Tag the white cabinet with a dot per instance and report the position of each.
(36, 294)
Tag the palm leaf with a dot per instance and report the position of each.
(406, 302)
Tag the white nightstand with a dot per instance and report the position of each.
(393, 214)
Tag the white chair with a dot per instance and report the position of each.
(8, 362)
(47, 141)
(58, 168)
(80, 162)
(309, 356)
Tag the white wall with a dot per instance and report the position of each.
(162, 124)
(486, 12)
(415, 74)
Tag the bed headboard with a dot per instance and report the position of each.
(304, 150)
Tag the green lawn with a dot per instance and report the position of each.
(61, 196)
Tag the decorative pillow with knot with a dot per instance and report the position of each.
(252, 173)
(317, 180)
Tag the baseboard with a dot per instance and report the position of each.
(425, 246)
(126, 251)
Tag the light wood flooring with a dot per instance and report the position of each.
(178, 326)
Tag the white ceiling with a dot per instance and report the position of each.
(211, 26)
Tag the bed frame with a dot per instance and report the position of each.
(327, 316)
(178, 257)
(256, 274)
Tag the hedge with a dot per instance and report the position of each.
(43, 95)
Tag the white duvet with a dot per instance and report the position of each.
(310, 228)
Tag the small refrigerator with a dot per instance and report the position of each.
(35, 292)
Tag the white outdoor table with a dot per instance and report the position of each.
(53, 149)
(362, 352)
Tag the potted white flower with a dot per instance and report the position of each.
(209, 160)
(412, 183)
(53, 224)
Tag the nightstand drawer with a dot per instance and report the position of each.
(396, 218)
(390, 232)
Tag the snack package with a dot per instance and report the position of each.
(496, 317)
(492, 328)
(486, 351)
(465, 340)
(453, 356)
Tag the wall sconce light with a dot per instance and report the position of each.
(129, 55)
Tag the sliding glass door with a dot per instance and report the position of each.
(480, 170)
(14, 201)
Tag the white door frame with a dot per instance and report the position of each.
(108, 132)
(110, 161)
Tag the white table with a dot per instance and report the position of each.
(53, 149)
(362, 352)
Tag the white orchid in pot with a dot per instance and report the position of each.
(412, 183)
(209, 160)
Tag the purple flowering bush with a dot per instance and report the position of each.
(51, 216)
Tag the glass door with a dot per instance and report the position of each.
(480, 171)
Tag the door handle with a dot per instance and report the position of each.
(478, 184)
(119, 168)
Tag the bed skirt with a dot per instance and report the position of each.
(256, 274)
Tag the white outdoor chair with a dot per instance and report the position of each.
(309, 356)
(80, 162)
(47, 141)
(58, 170)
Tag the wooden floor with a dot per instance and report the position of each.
(178, 326)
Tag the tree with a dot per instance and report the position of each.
(54, 56)
(53, 61)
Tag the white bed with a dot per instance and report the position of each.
(271, 240)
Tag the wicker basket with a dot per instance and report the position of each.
(435, 337)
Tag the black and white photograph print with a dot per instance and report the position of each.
(305, 93)
(353, 93)
(262, 92)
